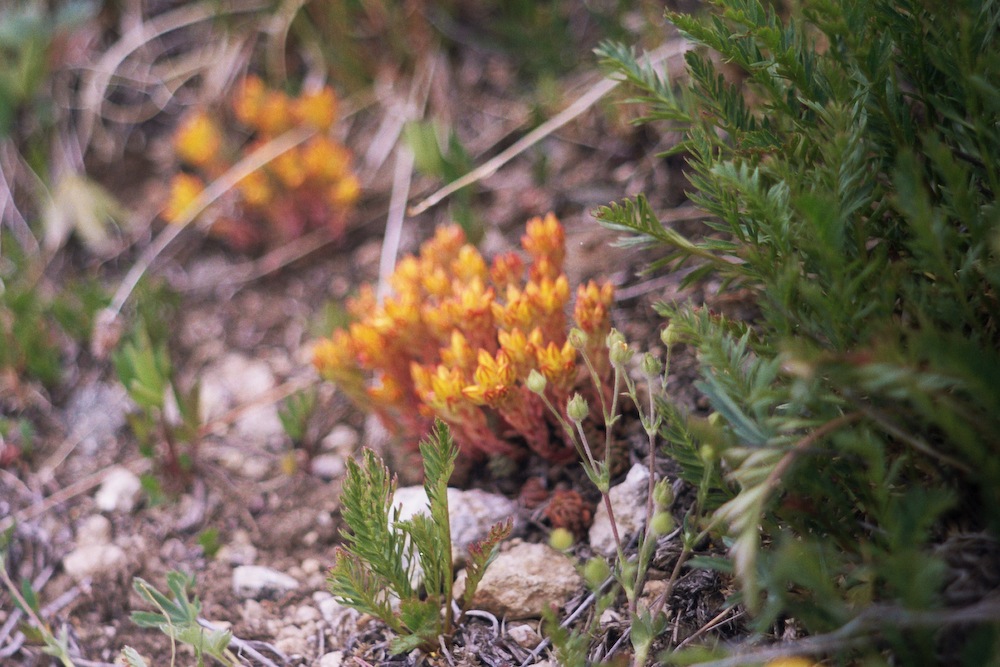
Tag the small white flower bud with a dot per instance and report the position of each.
(651, 366)
(536, 382)
(577, 338)
(577, 408)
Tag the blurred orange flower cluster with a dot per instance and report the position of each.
(458, 338)
(308, 187)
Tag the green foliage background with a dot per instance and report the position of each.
(847, 159)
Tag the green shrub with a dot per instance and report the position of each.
(850, 176)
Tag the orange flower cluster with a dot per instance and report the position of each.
(308, 187)
(458, 339)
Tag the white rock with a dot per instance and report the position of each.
(524, 635)
(233, 380)
(327, 466)
(119, 491)
(306, 614)
(239, 550)
(342, 440)
(525, 579)
(341, 619)
(628, 500)
(93, 530)
(471, 512)
(258, 582)
(260, 423)
(332, 659)
(95, 561)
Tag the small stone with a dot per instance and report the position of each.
(628, 500)
(525, 579)
(238, 551)
(93, 530)
(523, 635)
(95, 561)
(306, 614)
(311, 566)
(341, 619)
(341, 440)
(119, 491)
(258, 582)
(327, 466)
(292, 645)
(472, 513)
(332, 659)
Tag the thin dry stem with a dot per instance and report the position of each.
(580, 105)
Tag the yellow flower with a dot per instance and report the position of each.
(442, 249)
(507, 270)
(334, 359)
(558, 364)
(545, 238)
(275, 114)
(256, 189)
(435, 282)
(517, 313)
(184, 189)
(406, 276)
(325, 160)
(318, 110)
(369, 345)
(386, 392)
(344, 192)
(520, 349)
(459, 354)
(248, 101)
(198, 140)
(289, 169)
(592, 311)
(469, 265)
(441, 390)
(494, 380)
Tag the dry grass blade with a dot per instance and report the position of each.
(218, 187)
(95, 85)
(582, 103)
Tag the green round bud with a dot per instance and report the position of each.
(619, 354)
(715, 419)
(596, 572)
(560, 539)
(663, 494)
(651, 366)
(577, 408)
(670, 335)
(536, 382)
(662, 523)
(707, 453)
(577, 338)
(614, 336)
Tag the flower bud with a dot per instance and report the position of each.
(577, 408)
(614, 336)
(577, 338)
(715, 419)
(560, 539)
(619, 354)
(535, 382)
(670, 335)
(595, 572)
(663, 494)
(662, 523)
(651, 366)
